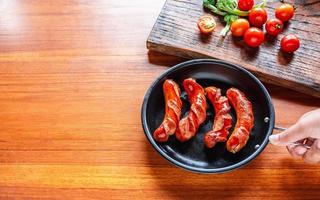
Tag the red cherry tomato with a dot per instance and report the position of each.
(239, 27)
(206, 24)
(245, 5)
(290, 43)
(254, 37)
(274, 27)
(285, 12)
(257, 17)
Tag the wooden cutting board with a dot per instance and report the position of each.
(175, 32)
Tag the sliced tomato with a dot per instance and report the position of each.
(206, 24)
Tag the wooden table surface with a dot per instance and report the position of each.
(72, 78)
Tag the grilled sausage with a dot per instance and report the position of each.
(173, 108)
(245, 120)
(189, 125)
(222, 120)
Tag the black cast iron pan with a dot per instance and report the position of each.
(193, 155)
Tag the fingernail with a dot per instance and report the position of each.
(301, 151)
(274, 139)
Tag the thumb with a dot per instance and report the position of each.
(292, 134)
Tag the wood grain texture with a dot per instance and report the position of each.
(175, 32)
(72, 78)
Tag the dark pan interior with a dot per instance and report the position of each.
(193, 155)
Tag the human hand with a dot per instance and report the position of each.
(308, 126)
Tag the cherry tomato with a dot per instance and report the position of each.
(239, 27)
(257, 17)
(254, 37)
(274, 27)
(206, 24)
(290, 43)
(245, 5)
(285, 12)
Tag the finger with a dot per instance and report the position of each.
(292, 134)
(290, 149)
(312, 112)
(313, 154)
(296, 151)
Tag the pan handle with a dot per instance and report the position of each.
(303, 142)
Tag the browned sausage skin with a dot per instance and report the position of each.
(173, 108)
(245, 120)
(189, 125)
(222, 120)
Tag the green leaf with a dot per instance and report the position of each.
(212, 8)
(261, 5)
(231, 6)
(229, 19)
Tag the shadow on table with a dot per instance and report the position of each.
(282, 93)
(157, 58)
(177, 183)
(288, 178)
(300, 180)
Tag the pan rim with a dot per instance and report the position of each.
(242, 163)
